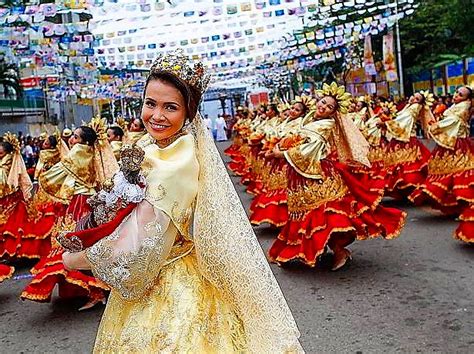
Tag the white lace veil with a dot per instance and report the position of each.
(231, 258)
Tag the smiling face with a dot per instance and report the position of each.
(3, 152)
(325, 107)
(136, 125)
(46, 144)
(164, 110)
(297, 110)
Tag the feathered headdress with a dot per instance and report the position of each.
(429, 97)
(99, 125)
(13, 140)
(339, 93)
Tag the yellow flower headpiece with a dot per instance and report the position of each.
(283, 106)
(122, 123)
(43, 136)
(308, 101)
(339, 93)
(366, 98)
(429, 97)
(390, 106)
(177, 63)
(100, 127)
(67, 132)
(13, 140)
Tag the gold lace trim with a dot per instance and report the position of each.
(314, 193)
(450, 163)
(403, 155)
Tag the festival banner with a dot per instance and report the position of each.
(369, 57)
(389, 58)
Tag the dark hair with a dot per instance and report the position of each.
(305, 109)
(53, 141)
(274, 107)
(6, 146)
(117, 131)
(470, 94)
(141, 122)
(191, 95)
(88, 135)
(364, 104)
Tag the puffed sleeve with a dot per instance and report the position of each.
(130, 259)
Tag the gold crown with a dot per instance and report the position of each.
(308, 101)
(178, 64)
(339, 93)
(429, 97)
(13, 140)
(122, 123)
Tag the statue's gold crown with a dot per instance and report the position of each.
(177, 63)
(339, 93)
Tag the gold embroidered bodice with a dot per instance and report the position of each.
(453, 124)
(403, 126)
(47, 159)
(73, 175)
(305, 158)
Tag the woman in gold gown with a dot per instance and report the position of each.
(176, 288)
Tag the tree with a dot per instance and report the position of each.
(438, 31)
(9, 78)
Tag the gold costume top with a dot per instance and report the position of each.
(5, 166)
(454, 123)
(116, 146)
(47, 159)
(359, 118)
(74, 174)
(403, 126)
(373, 132)
(133, 137)
(305, 158)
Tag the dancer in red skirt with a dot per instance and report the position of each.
(15, 191)
(376, 175)
(42, 212)
(449, 186)
(407, 158)
(327, 205)
(69, 183)
(271, 205)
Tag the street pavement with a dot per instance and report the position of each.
(411, 294)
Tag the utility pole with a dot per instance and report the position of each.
(399, 53)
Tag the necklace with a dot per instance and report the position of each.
(168, 141)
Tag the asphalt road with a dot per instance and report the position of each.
(411, 294)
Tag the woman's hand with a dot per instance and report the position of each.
(76, 261)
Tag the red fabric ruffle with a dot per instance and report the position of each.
(6, 272)
(465, 230)
(356, 215)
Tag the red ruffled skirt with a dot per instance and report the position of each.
(239, 164)
(5, 272)
(270, 206)
(407, 166)
(449, 186)
(331, 211)
(376, 175)
(13, 214)
(465, 230)
(50, 270)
